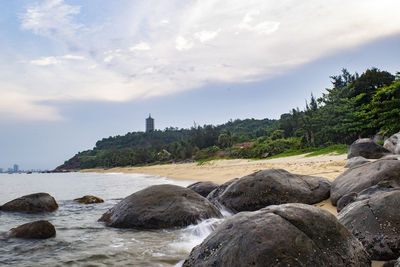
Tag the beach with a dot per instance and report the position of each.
(220, 171)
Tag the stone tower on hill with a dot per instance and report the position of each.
(149, 124)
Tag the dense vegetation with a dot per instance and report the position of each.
(356, 105)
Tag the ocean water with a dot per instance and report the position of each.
(81, 240)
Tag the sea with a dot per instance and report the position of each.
(83, 241)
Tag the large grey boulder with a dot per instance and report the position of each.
(38, 202)
(270, 187)
(366, 148)
(381, 187)
(362, 177)
(203, 188)
(285, 235)
(356, 161)
(376, 223)
(393, 144)
(160, 206)
(35, 230)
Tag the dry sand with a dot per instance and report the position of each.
(220, 171)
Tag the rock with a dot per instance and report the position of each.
(392, 263)
(160, 206)
(392, 157)
(376, 223)
(270, 187)
(384, 186)
(283, 235)
(393, 143)
(366, 148)
(356, 161)
(89, 199)
(34, 230)
(203, 188)
(362, 177)
(38, 202)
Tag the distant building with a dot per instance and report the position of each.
(149, 124)
(15, 168)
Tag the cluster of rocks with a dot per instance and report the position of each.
(37, 203)
(367, 197)
(274, 222)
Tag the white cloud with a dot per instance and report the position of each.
(142, 46)
(205, 36)
(182, 43)
(198, 42)
(45, 61)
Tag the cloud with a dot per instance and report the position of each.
(152, 48)
(182, 43)
(205, 36)
(142, 46)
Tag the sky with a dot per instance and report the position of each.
(73, 72)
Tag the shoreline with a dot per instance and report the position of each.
(220, 171)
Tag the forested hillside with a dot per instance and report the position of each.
(356, 105)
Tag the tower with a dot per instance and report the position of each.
(149, 124)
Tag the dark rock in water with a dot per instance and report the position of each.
(34, 230)
(356, 161)
(382, 187)
(366, 148)
(89, 199)
(270, 187)
(38, 202)
(203, 188)
(376, 223)
(160, 206)
(362, 177)
(285, 235)
(393, 144)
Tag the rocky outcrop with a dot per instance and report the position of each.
(355, 161)
(393, 144)
(284, 235)
(160, 206)
(270, 187)
(203, 188)
(366, 148)
(34, 230)
(376, 223)
(38, 202)
(362, 177)
(382, 187)
(392, 263)
(88, 199)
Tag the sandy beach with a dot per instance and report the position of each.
(220, 171)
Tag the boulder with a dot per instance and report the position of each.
(393, 157)
(384, 186)
(38, 202)
(366, 148)
(393, 143)
(89, 199)
(34, 230)
(283, 235)
(160, 206)
(376, 223)
(364, 176)
(392, 263)
(270, 187)
(203, 188)
(356, 161)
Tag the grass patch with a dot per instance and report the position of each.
(291, 153)
(335, 149)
